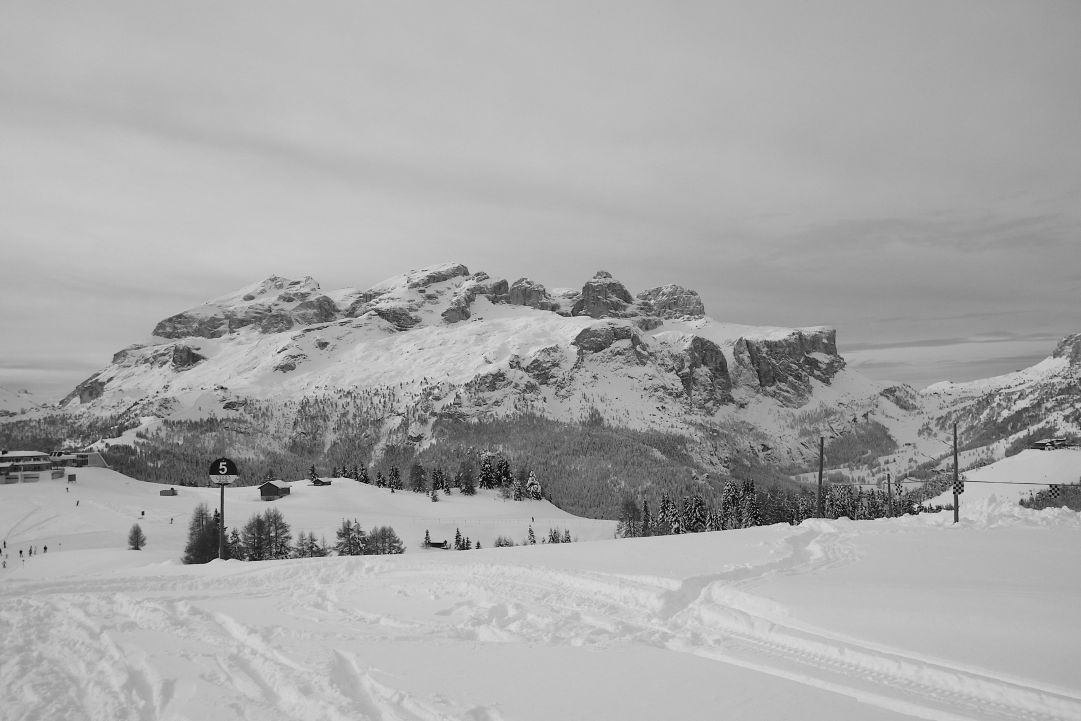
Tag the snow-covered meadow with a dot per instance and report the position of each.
(890, 619)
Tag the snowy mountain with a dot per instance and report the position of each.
(283, 368)
(442, 343)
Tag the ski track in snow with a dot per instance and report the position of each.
(95, 640)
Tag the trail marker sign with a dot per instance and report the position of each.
(222, 472)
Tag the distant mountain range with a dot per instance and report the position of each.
(285, 365)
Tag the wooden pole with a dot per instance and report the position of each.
(956, 498)
(221, 525)
(889, 492)
(821, 461)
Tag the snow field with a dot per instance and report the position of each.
(888, 619)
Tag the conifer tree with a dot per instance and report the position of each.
(382, 540)
(566, 535)
(504, 478)
(531, 538)
(279, 539)
(434, 495)
(533, 487)
(380, 480)
(350, 539)
(427, 539)
(136, 538)
(202, 545)
(647, 522)
(395, 479)
(487, 477)
(457, 539)
(749, 514)
(418, 479)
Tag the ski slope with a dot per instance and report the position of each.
(839, 620)
(1013, 478)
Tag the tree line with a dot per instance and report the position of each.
(267, 536)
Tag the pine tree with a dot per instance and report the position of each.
(630, 520)
(464, 479)
(729, 512)
(350, 539)
(427, 539)
(531, 538)
(518, 489)
(457, 539)
(395, 479)
(503, 477)
(202, 545)
(233, 546)
(136, 538)
(749, 515)
(647, 522)
(435, 495)
(382, 540)
(487, 472)
(418, 479)
(533, 487)
(380, 480)
(279, 538)
(566, 535)
(254, 538)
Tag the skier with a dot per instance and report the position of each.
(45, 549)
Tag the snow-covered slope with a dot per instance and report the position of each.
(830, 620)
(17, 401)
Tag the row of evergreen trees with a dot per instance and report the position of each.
(495, 473)
(268, 536)
(742, 505)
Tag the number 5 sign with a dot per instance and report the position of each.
(223, 471)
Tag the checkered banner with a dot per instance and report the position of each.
(959, 487)
(1056, 491)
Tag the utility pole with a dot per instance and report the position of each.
(889, 492)
(956, 497)
(821, 460)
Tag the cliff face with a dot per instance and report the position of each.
(784, 368)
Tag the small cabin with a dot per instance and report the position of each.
(320, 482)
(1049, 444)
(273, 490)
(168, 492)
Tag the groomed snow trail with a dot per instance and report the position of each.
(711, 617)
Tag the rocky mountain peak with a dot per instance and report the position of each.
(672, 301)
(603, 297)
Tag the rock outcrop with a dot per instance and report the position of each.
(671, 301)
(185, 357)
(785, 367)
(192, 325)
(527, 292)
(602, 297)
(320, 309)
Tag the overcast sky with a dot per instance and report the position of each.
(907, 172)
